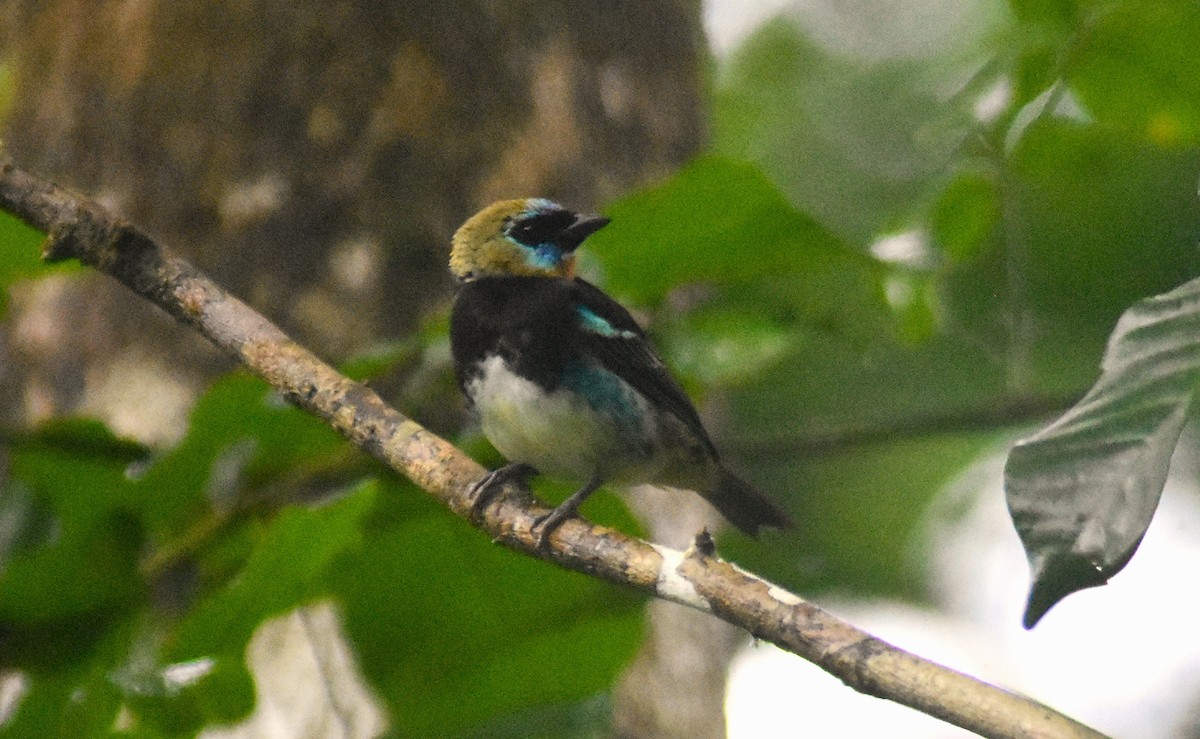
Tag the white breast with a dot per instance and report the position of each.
(558, 432)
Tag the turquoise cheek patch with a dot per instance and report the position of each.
(548, 256)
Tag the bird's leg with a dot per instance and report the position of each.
(482, 491)
(547, 523)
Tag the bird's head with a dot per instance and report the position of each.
(528, 237)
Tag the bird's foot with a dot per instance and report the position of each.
(482, 491)
(545, 524)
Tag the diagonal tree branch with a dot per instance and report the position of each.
(79, 228)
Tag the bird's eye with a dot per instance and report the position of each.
(521, 231)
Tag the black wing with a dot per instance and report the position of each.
(612, 336)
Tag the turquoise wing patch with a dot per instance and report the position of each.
(597, 325)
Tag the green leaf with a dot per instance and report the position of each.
(584, 719)
(224, 692)
(721, 347)
(915, 302)
(74, 506)
(20, 250)
(68, 574)
(857, 511)
(73, 693)
(441, 616)
(77, 703)
(241, 436)
(721, 222)
(1136, 66)
(718, 220)
(965, 215)
(849, 139)
(285, 569)
(1046, 12)
(1084, 204)
(286, 566)
(385, 356)
(1083, 490)
(379, 359)
(829, 389)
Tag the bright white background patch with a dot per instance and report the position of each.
(1091, 657)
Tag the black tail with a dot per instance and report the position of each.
(744, 506)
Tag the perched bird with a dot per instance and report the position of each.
(563, 380)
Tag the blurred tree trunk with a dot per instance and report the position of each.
(315, 158)
(675, 687)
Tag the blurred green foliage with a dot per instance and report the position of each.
(20, 256)
(119, 563)
(887, 262)
(1041, 206)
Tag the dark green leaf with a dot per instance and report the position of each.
(1083, 205)
(857, 511)
(1083, 490)
(84, 438)
(442, 617)
(590, 718)
(73, 694)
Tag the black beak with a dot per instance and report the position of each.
(584, 226)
